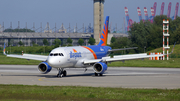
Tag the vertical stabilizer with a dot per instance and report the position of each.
(104, 36)
(4, 49)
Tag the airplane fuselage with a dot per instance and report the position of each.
(68, 57)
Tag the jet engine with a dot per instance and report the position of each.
(100, 67)
(44, 68)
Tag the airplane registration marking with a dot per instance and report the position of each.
(94, 54)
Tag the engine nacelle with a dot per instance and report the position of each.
(100, 67)
(44, 67)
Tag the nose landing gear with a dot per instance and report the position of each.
(61, 72)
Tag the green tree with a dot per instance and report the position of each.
(80, 41)
(69, 40)
(9, 43)
(45, 49)
(173, 30)
(34, 44)
(158, 20)
(45, 42)
(8, 30)
(113, 39)
(149, 35)
(69, 45)
(91, 41)
(176, 35)
(1, 49)
(138, 34)
(122, 42)
(57, 43)
(20, 43)
(154, 38)
(18, 30)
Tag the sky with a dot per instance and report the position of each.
(73, 11)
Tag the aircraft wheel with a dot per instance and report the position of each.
(64, 73)
(96, 74)
(60, 73)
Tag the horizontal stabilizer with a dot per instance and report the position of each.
(122, 49)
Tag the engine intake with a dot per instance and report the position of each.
(44, 68)
(100, 67)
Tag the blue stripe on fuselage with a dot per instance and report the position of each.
(100, 51)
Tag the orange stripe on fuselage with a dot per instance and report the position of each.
(94, 54)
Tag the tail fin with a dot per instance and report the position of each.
(4, 49)
(104, 36)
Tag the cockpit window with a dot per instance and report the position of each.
(61, 54)
(56, 54)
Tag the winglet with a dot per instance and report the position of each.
(104, 36)
(4, 49)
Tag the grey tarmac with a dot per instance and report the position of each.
(125, 77)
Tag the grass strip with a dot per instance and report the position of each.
(172, 63)
(78, 93)
(16, 61)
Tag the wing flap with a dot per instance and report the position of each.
(91, 61)
(131, 57)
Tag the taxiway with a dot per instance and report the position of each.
(125, 77)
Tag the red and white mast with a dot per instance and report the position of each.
(166, 34)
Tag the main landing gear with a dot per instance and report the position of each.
(98, 74)
(61, 72)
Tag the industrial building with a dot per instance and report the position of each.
(28, 38)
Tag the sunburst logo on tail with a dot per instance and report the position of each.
(104, 36)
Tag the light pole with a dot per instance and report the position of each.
(144, 49)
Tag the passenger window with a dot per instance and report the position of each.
(59, 54)
(56, 54)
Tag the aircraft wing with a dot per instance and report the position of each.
(121, 58)
(29, 57)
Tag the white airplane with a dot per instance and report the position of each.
(81, 56)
